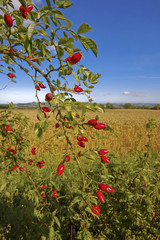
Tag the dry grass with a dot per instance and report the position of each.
(129, 125)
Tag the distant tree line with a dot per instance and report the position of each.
(129, 106)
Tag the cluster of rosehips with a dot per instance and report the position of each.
(44, 195)
(8, 19)
(24, 11)
(39, 87)
(81, 140)
(93, 122)
(103, 187)
(102, 152)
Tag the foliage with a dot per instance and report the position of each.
(51, 196)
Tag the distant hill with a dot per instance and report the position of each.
(34, 105)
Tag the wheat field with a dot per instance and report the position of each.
(130, 125)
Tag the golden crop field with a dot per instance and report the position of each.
(130, 125)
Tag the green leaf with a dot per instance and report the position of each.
(64, 4)
(48, 3)
(30, 30)
(60, 16)
(88, 43)
(84, 28)
(23, 2)
(108, 128)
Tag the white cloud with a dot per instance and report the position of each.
(134, 94)
(51, 48)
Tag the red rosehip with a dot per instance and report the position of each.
(49, 97)
(22, 9)
(29, 8)
(81, 144)
(100, 126)
(105, 159)
(43, 187)
(24, 14)
(15, 167)
(33, 151)
(57, 125)
(100, 196)
(22, 138)
(46, 109)
(7, 128)
(75, 58)
(78, 89)
(67, 158)
(79, 153)
(96, 210)
(54, 193)
(84, 139)
(105, 187)
(37, 88)
(78, 138)
(41, 85)
(11, 75)
(92, 122)
(12, 50)
(8, 20)
(103, 151)
(43, 195)
(21, 169)
(60, 169)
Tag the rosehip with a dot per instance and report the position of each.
(7, 128)
(29, 8)
(100, 196)
(57, 125)
(8, 19)
(79, 138)
(46, 109)
(75, 58)
(60, 169)
(43, 195)
(67, 158)
(43, 187)
(84, 139)
(37, 88)
(103, 151)
(105, 159)
(49, 97)
(100, 126)
(21, 169)
(54, 193)
(81, 144)
(24, 14)
(96, 210)
(41, 85)
(105, 187)
(22, 9)
(79, 153)
(78, 89)
(11, 75)
(92, 122)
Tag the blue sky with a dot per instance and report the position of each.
(127, 34)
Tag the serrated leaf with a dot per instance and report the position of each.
(30, 30)
(84, 28)
(88, 43)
